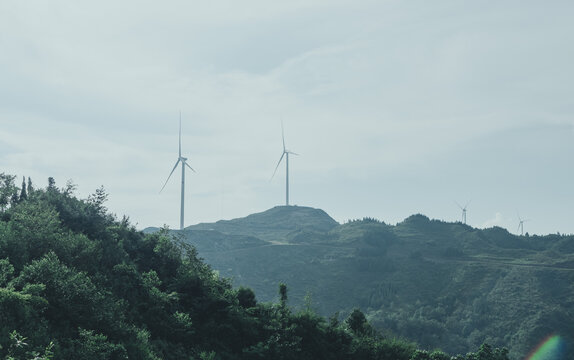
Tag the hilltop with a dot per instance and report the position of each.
(442, 284)
(281, 223)
(278, 224)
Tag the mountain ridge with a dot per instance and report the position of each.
(418, 274)
(274, 224)
(78, 283)
(281, 220)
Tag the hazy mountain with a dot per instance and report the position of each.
(444, 285)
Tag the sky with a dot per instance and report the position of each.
(394, 107)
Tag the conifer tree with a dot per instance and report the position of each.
(283, 295)
(51, 183)
(23, 193)
(30, 188)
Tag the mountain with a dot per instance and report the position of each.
(279, 224)
(445, 285)
(77, 283)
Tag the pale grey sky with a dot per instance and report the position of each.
(395, 107)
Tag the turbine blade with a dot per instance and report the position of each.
(468, 203)
(180, 133)
(186, 164)
(177, 163)
(283, 135)
(277, 167)
(458, 205)
(292, 153)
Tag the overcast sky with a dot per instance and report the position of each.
(395, 107)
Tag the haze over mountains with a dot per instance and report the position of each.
(441, 284)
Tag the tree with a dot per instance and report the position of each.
(246, 298)
(23, 193)
(357, 323)
(486, 352)
(19, 349)
(30, 186)
(51, 183)
(34, 231)
(15, 199)
(97, 346)
(99, 289)
(7, 189)
(283, 294)
(98, 199)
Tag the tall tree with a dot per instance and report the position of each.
(23, 193)
(51, 183)
(283, 294)
(30, 187)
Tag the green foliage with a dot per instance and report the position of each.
(23, 192)
(486, 352)
(34, 228)
(7, 190)
(443, 285)
(6, 271)
(357, 323)
(19, 349)
(283, 294)
(426, 355)
(97, 347)
(30, 187)
(246, 298)
(82, 285)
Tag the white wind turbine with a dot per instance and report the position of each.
(463, 211)
(285, 154)
(521, 224)
(183, 161)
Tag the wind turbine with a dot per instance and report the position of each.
(521, 224)
(285, 154)
(463, 211)
(183, 161)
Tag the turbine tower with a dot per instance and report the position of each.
(183, 161)
(286, 155)
(463, 211)
(521, 224)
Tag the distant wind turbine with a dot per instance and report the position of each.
(463, 211)
(183, 161)
(521, 224)
(286, 155)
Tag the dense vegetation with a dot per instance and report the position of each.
(77, 283)
(444, 285)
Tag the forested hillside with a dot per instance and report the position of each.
(77, 283)
(443, 285)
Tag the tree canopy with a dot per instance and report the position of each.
(77, 283)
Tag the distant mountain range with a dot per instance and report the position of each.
(441, 284)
